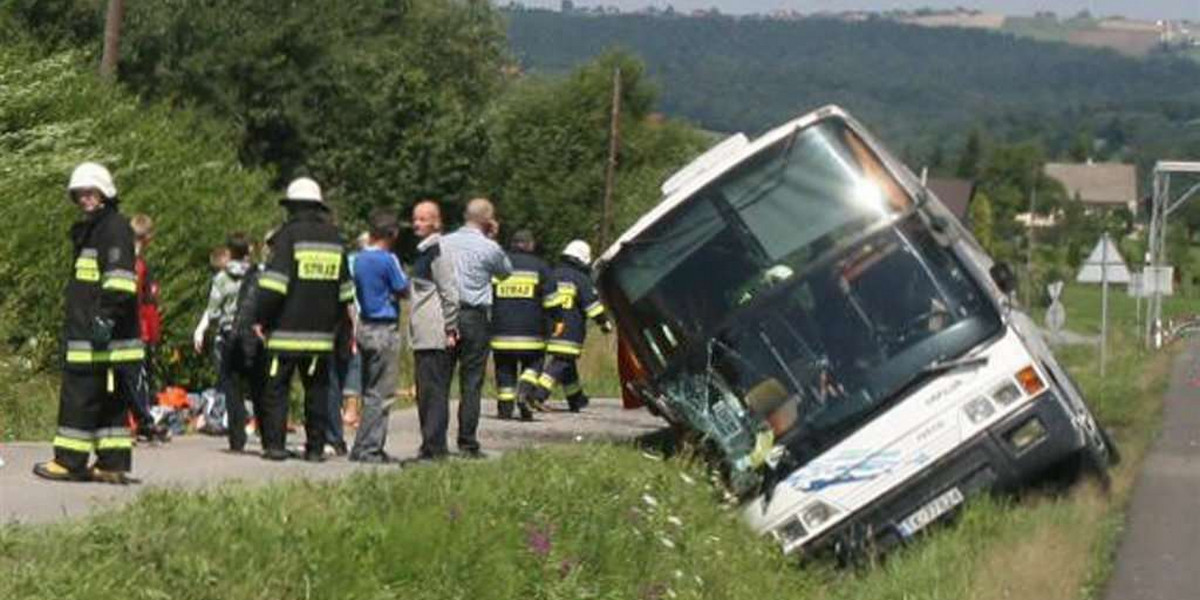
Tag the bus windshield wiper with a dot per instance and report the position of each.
(938, 367)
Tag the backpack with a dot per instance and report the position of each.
(246, 307)
(244, 316)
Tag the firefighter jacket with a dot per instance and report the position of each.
(524, 305)
(578, 301)
(102, 312)
(306, 286)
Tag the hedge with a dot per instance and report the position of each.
(171, 164)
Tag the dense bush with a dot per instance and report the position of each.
(172, 165)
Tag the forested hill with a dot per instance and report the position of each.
(920, 88)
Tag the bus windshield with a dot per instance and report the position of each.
(796, 295)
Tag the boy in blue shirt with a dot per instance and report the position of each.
(380, 283)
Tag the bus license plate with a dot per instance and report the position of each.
(930, 512)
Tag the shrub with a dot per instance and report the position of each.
(176, 167)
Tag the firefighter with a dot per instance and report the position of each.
(577, 301)
(524, 307)
(304, 292)
(101, 335)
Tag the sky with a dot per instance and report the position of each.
(1141, 9)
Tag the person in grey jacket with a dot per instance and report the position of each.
(433, 329)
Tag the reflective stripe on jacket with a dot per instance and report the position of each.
(305, 288)
(103, 285)
(524, 306)
(578, 301)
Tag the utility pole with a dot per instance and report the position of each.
(1029, 286)
(112, 39)
(1104, 242)
(614, 144)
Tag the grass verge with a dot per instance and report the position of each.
(28, 401)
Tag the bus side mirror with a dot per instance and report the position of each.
(1002, 274)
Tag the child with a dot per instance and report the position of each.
(137, 378)
(222, 303)
(217, 260)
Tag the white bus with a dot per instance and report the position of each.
(819, 318)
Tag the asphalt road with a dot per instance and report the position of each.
(1159, 556)
(196, 461)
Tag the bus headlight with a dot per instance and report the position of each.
(1006, 394)
(979, 409)
(790, 532)
(817, 514)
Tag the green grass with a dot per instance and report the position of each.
(28, 401)
(576, 522)
(1126, 318)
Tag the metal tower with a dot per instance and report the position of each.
(1163, 206)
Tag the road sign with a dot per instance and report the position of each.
(1056, 315)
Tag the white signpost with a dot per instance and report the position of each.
(1104, 261)
(1104, 266)
(1105, 242)
(1056, 315)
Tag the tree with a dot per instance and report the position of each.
(911, 86)
(112, 38)
(59, 24)
(548, 147)
(937, 159)
(379, 101)
(982, 222)
(1081, 147)
(971, 157)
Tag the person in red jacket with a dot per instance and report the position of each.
(138, 378)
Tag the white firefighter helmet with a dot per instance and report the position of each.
(304, 189)
(92, 176)
(579, 250)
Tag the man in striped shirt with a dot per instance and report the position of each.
(478, 259)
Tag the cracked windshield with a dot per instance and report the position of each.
(794, 298)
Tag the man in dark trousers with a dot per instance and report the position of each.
(102, 334)
(433, 329)
(523, 314)
(477, 261)
(304, 292)
(578, 301)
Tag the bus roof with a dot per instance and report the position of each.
(722, 157)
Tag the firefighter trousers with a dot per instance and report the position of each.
(91, 418)
(516, 373)
(560, 370)
(314, 376)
